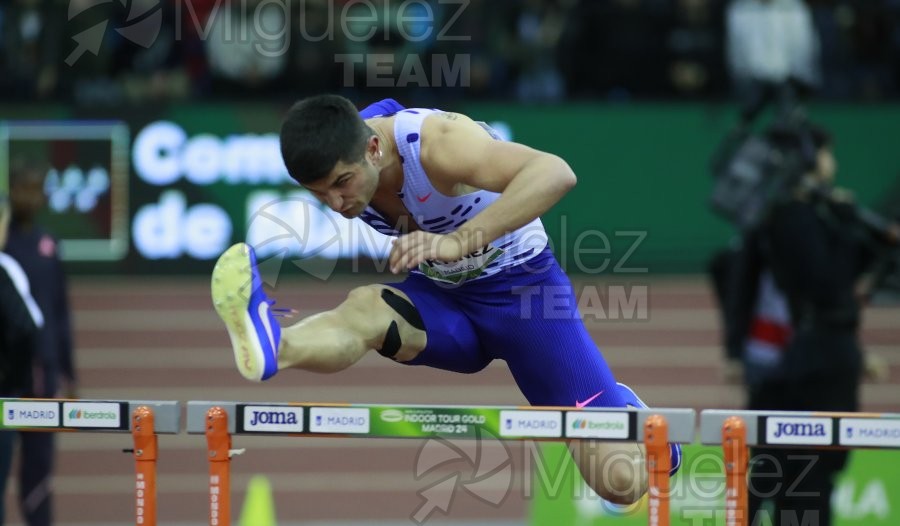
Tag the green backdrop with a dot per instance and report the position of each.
(642, 168)
(646, 168)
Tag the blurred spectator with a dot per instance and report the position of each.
(615, 48)
(484, 33)
(536, 50)
(316, 40)
(20, 323)
(771, 42)
(694, 46)
(873, 48)
(149, 55)
(247, 46)
(389, 46)
(88, 53)
(36, 251)
(539, 28)
(29, 48)
(860, 45)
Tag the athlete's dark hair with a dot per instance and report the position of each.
(319, 131)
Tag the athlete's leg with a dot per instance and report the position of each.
(453, 344)
(561, 366)
(556, 363)
(372, 317)
(414, 322)
(392, 319)
(539, 332)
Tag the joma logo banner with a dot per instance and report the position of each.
(798, 430)
(273, 419)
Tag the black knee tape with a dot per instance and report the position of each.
(404, 308)
(391, 342)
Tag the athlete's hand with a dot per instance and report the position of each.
(411, 249)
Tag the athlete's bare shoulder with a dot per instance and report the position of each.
(450, 116)
(444, 125)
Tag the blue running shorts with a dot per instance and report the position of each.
(526, 315)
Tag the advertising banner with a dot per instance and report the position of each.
(93, 415)
(424, 422)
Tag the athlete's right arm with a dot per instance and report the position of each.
(458, 151)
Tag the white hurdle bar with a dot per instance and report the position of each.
(736, 431)
(220, 420)
(145, 419)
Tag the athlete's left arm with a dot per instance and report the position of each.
(456, 150)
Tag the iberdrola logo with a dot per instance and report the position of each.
(579, 423)
(141, 21)
(75, 414)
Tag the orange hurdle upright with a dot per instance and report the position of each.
(734, 449)
(218, 442)
(145, 454)
(656, 440)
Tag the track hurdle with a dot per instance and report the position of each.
(736, 431)
(220, 420)
(144, 419)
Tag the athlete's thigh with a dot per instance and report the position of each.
(452, 343)
(558, 364)
(539, 332)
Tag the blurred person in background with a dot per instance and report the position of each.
(694, 46)
(88, 52)
(247, 47)
(770, 42)
(539, 28)
(390, 47)
(316, 40)
(876, 42)
(484, 31)
(29, 48)
(20, 323)
(53, 372)
(150, 62)
(796, 312)
(616, 48)
(860, 44)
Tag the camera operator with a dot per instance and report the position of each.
(796, 292)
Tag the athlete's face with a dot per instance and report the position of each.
(349, 187)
